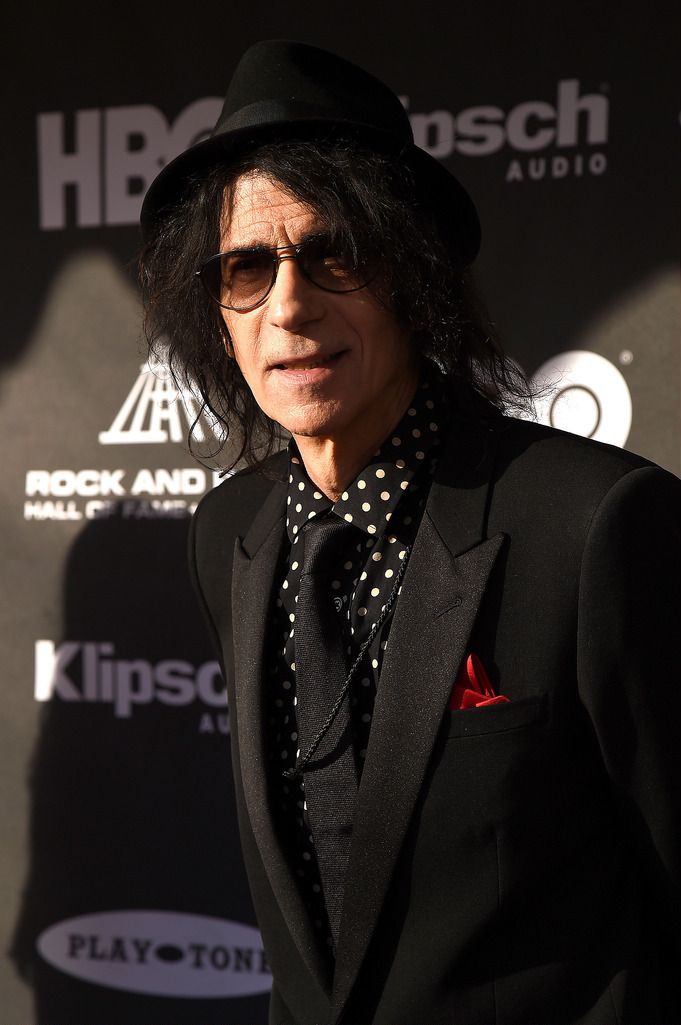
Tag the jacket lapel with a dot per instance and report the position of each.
(256, 559)
(442, 591)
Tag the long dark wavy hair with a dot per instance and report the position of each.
(367, 202)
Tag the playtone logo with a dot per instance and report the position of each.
(100, 162)
(165, 953)
(88, 671)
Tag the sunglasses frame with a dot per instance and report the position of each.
(278, 254)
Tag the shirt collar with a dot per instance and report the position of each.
(370, 501)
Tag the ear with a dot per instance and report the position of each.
(227, 342)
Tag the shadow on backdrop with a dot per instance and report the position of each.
(132, 804)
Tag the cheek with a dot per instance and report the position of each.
(238, 343)
(385, 347)
(242, 347)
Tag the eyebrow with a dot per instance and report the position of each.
(260, 246)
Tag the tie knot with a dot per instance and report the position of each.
(322, 541)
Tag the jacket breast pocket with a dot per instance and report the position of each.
(501, 718)
(491, 767)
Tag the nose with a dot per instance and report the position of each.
(294, 301)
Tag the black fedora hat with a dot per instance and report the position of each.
(284, 89)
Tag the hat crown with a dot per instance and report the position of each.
(281, 81)
(284, 90)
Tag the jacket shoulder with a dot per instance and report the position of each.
(233, 504)
(559, 456)
(223, 514)
(558, 481)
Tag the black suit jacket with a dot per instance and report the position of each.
(510, 865)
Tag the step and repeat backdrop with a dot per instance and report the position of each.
(123, 897)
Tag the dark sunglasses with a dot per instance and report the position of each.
(242, 278)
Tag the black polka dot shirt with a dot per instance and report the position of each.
(383, 505)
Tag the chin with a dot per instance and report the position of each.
(317, 425)
(307, 430)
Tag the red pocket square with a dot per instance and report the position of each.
(472, 688)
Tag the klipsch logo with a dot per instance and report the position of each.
(95, 165)
(553, 138)
(164, 953)
(90, 672)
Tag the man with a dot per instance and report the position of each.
(448, 636)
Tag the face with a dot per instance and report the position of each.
(322, 364)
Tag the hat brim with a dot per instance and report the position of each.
(436, 188)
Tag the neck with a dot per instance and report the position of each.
(332, 463)
(330, 466)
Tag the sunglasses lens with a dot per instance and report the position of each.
(332, 267)
(239, 280)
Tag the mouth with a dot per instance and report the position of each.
(303, 364)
